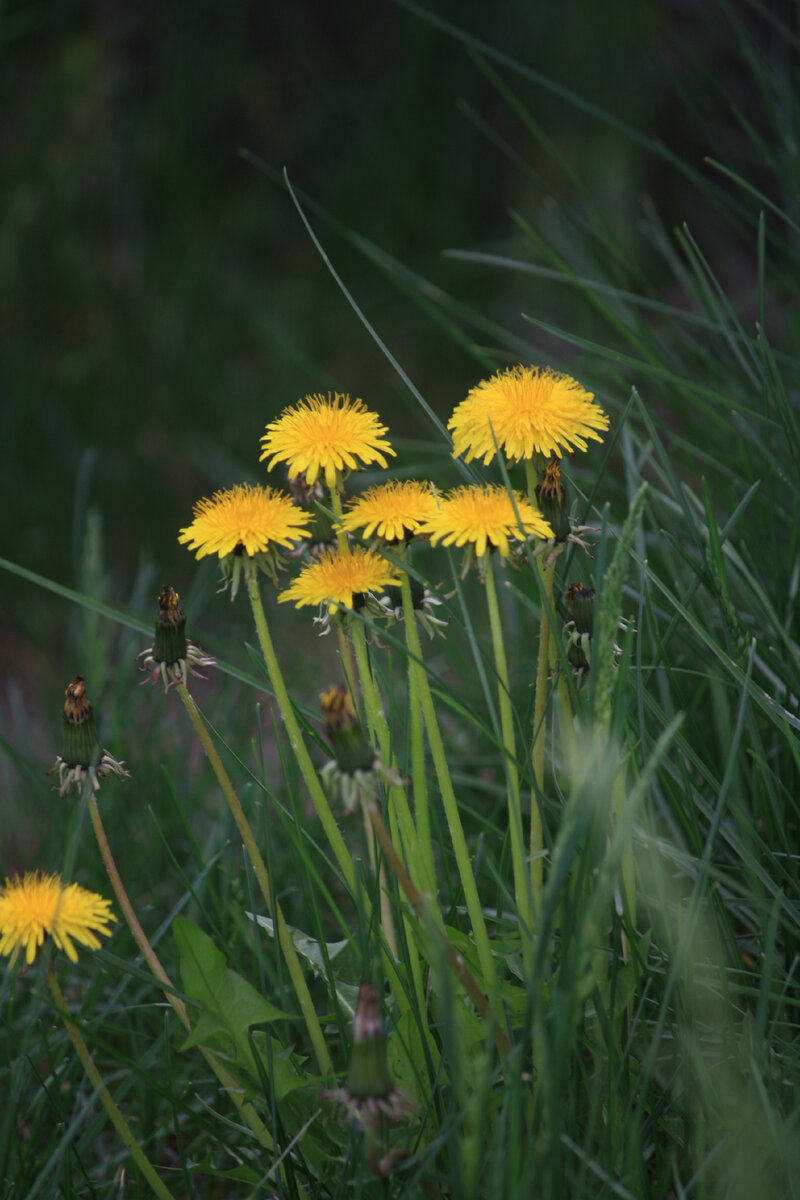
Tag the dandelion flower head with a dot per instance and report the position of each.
(484, 517)
(326, 435)
(254, 518)
(38, 906)
(528, 411)
(392, 511)
(339, 577)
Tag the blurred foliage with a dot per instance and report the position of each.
(161, 301)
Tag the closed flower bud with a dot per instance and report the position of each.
(580, 601)
(424, 601)
(356, 769)
(370, 1093)
(83, 757)
(172, 658)
(551, 496)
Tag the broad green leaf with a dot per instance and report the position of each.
(229, 1005)
(311, 950)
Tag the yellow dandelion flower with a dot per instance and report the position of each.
(338, 578)
(38, 906)
(392, 511)
(483, 517)
(530, 411)
(254, 518)
(328, 435)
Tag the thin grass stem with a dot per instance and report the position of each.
(455, 828)
(419, 780)
(421, 907)
(307, 769)
(262, 875)
(106, 1099)
(544, 658)
(224, 1076)
(521, 885)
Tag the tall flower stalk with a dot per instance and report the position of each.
(81, 747)
(522, 890)
(417, 686)
(485, 520)
(296, 739)
(529, 414)
(449, 802)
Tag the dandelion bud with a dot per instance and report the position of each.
(370, 1093)
(344, 731)
(303, 492)
(82, 745)
(172, 656)
(580, 601)
(578, 630)
(424, 602)
(551, 496)
(80, 732)
(355, 770)
(369, 1074)
(170, 642)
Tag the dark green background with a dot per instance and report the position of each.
(160, 298)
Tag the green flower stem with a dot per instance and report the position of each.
(537, 753)
(224, 1076)
(421, 907)
(546, 656)
(419, 780)
(456, 829)
(312, 781)
(376, 720)
(348, 666)
(296, 739)
(262, 875)
(341, 535)
(379, 731)
(627, 865)
(115, 1116)
(345, 653)
(521, 890)
(378, 868)
(566, 726)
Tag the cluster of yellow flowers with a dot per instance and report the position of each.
(523, 412)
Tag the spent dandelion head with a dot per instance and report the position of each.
(83, 757)
(391, 512)
(484, 518)
(356, 769)
(551, 496)
(172, 657)
(579, 629)
(245, 525)
(347, 579)
(370, 1094)
(320, 520)
(39, 906)
(424, 602)
(525, 411)
(326, 435)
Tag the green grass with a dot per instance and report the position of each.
(654, 1054)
